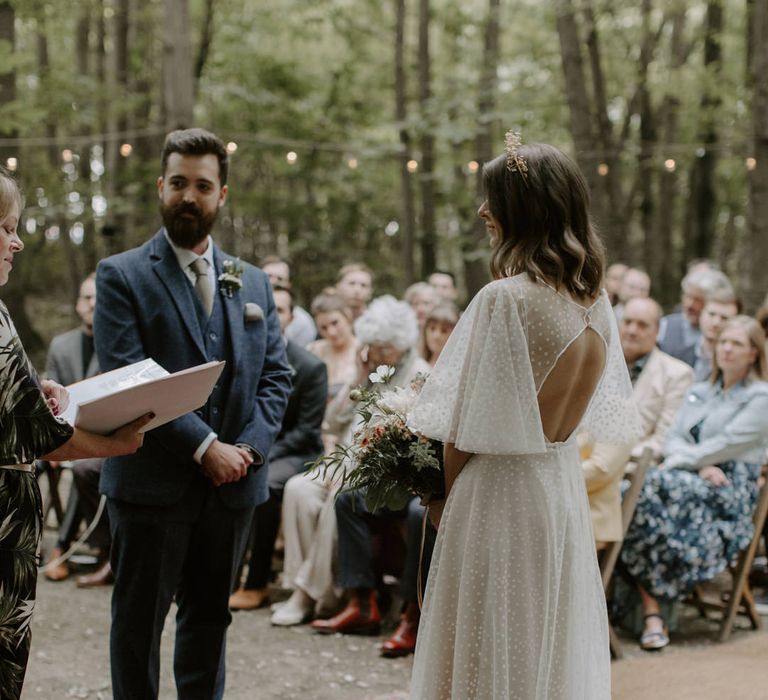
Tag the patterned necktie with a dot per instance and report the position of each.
(203, 285)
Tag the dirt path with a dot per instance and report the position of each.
(70, 659)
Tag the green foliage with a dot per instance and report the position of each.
(317, 77)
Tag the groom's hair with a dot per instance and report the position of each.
(196, 142)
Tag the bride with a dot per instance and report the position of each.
(514, 605)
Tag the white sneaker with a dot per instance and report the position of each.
(295, 611)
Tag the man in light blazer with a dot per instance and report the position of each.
(660, 383)
(180, 507)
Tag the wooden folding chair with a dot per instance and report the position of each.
(610, 555)
(739, 598)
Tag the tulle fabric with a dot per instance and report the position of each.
(514, 608)
(482, 393)
(514, 605)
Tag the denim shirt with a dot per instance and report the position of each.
(733, 426)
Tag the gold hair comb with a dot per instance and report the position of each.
(515, 162)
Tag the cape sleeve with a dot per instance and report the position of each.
(481, 394)
(612, 415)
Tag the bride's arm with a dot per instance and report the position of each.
(454, 460)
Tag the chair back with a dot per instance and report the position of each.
(610, 554)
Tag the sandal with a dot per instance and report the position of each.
(654, 641)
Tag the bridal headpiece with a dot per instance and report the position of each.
(515, 162)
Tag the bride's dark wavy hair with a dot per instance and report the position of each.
(546, 230)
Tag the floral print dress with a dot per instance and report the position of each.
(685, 530)
(27, 430)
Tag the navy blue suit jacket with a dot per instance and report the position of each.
(146, 308)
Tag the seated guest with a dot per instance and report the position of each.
(719, 307)
(635, 284)
(422, 297)
(613, 277)
(679, 334)
(695, 511)
(338, 349)
(71, 358)
(298, 442)
(354, 283)
(444, 283)
(387, 332)
(438, 326)
(660, 383)
(355, 566)
(302, 329)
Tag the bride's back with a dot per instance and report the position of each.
(567, 345)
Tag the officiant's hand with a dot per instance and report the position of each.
(56, 396)
(224, 463)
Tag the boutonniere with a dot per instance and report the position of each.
(230, 281)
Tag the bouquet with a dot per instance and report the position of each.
(386, 461)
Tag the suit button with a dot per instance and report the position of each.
(215, 411)
(213, 336)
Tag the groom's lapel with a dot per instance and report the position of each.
(234, 310)
(167, 268)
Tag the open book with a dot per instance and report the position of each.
(107, 401)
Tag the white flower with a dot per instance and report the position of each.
(374, 378)
(399, 400)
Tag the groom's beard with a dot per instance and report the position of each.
(186, 224)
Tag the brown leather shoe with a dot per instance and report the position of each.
(353, 619)
(60, 571)
(101, 577)
(249, 599)
(403, 639)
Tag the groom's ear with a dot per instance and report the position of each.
(160, 186)
(222, 195)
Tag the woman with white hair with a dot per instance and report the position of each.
(387, 332)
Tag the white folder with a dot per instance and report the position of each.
(107, 401)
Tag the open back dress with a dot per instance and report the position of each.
(514, 607)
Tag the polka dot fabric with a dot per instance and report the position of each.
(514, 607)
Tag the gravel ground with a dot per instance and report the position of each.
(70, 658)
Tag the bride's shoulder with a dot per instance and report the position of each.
(512, 287)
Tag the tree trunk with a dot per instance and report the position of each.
(756, 249)
(652, 250)
(666, 273)
(178, 66)
(475, 247)
(427, 169)
(408, 211)
(14, 292)
(581, 116)
(614, 216)
(703, 196)
(206, 39)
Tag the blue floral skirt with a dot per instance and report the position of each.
(686, 531)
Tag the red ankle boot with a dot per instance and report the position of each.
(403, 639)
(354, 618)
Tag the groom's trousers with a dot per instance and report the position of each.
(189, 551)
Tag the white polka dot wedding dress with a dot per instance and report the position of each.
(514, 608)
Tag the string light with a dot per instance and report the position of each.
(231, 147)
(126, 149)
(751, 163)
(291, 157)
(12, 163)
(413, 166)
(352, 163)
(473, 166)
(602, 169)
(66, 155)
(670, 165)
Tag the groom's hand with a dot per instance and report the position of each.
(224, 463)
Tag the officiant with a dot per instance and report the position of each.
(180, 508)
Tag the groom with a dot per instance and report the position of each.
(181, 506)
